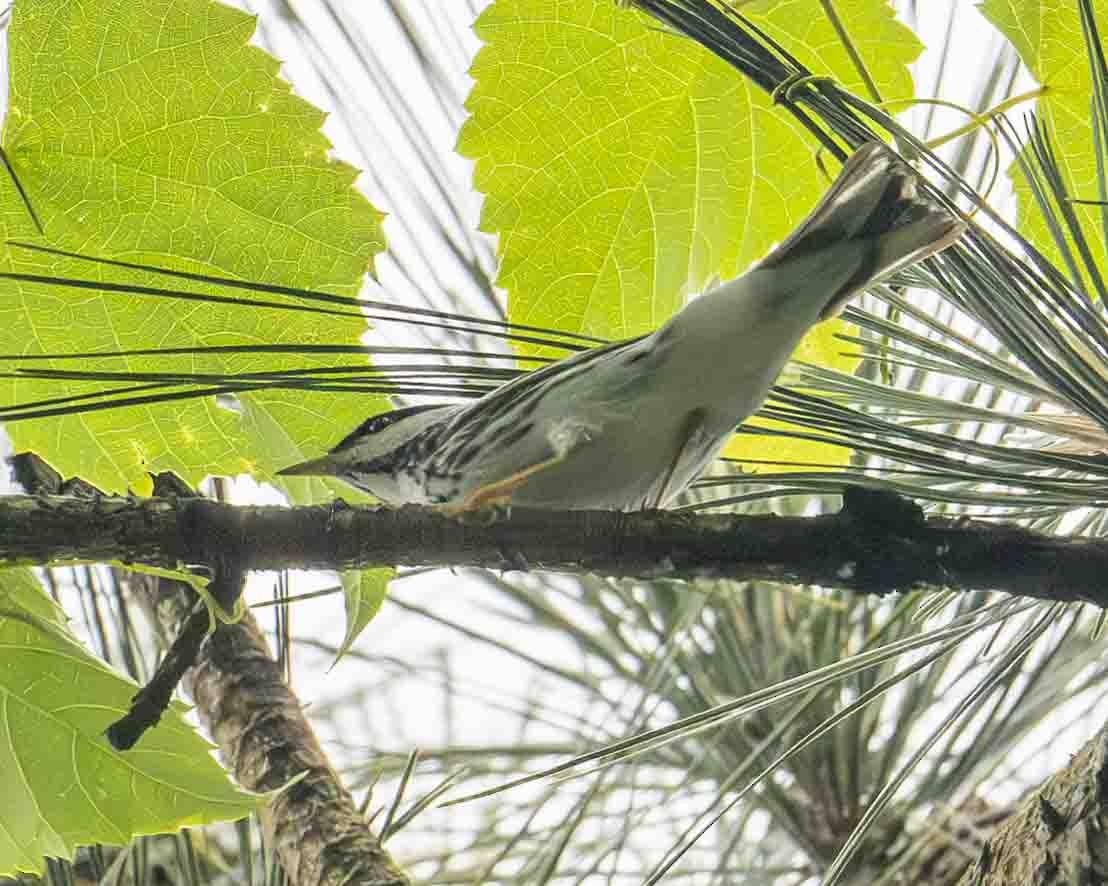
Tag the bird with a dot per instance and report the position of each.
(629, 425)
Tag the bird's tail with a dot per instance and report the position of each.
(875, 201)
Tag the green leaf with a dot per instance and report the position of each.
(62, 784)
(152, 132)
(625, 167)
(365, 590)
(20, 588)
(1047, 35)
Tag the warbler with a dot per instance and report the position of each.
(630, 425)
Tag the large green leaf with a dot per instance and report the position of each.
(1047, 35)
(151, 132)
(62, 784)
(625, 167)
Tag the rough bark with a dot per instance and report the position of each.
(1058, 836)
(264, 739)
(877, 543)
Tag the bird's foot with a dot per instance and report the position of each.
(486, 514)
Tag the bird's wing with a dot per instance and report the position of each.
(500, 419)
(492, 446)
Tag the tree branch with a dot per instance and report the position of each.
(878, 543)
(265, 740)
(1057, 834)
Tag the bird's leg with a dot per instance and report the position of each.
(490, 503)
(692, 425)
(564, 437)
(500, 492)
(486, 515)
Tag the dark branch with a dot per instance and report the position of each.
(1054, 836)
(877, 543)
(317, 831)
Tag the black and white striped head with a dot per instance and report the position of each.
(373, 456)
(385, 431)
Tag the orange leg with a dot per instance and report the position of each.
(500, 492)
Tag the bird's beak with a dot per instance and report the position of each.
(324, 466)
